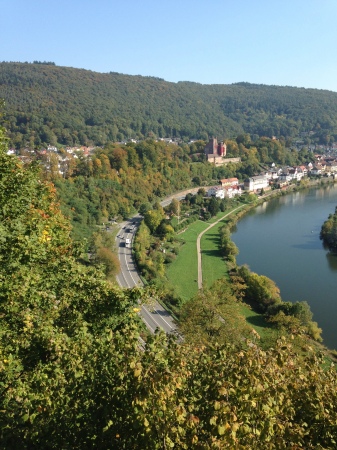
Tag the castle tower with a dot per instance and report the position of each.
(221, 149)
(212, 147)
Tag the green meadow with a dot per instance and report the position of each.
(213, 265)
(183, 272)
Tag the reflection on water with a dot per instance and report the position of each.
(280, 239)
(332, 261)
(294, 199)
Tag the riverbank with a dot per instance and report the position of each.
(210, 238)
(287, 249)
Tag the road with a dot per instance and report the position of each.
(179, 195)
(154, 316)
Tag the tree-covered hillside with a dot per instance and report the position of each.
(47, 104)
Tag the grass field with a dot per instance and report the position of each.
(213, 265)
(258, 322)
(183, 272)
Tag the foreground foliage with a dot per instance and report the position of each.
(74, 375)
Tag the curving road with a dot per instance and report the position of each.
(154, 316)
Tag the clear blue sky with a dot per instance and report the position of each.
(274, 42)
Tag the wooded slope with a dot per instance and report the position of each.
(47, 104)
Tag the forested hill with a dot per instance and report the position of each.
(47, 104)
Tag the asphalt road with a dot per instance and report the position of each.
(154, 316)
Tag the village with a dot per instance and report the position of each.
(61, 161)
(272, 177)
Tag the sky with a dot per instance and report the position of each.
(273, 42)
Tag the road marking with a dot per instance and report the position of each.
(162, 318)
(149, 315)
(155, 316)
(127, 265)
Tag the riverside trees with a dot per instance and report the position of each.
(329, 232)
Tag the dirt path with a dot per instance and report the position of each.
(199, 247)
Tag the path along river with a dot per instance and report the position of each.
(280, 239)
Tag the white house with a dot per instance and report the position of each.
(256, 183)
(296, 173)
(285, 177)
(232, 191)
(304, 170)
(271, 174)
(216, 191)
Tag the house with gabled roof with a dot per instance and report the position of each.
(232, 191)
(229, 182)
(316, 170)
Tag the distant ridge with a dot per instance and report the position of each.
(49, 104)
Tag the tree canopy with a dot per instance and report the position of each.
(48, 104)
(329, 232)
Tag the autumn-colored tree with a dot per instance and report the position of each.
(153, 219)
(214, 316)
(261, 291)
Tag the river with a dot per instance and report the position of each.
(280, 239)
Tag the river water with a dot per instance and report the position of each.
(280, 239)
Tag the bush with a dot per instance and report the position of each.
(169, 257)
(109, 260)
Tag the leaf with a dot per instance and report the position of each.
(137, 373)
(217, 405)
(223, 428)
(108, 426)
(213, 420)
(235, 427)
